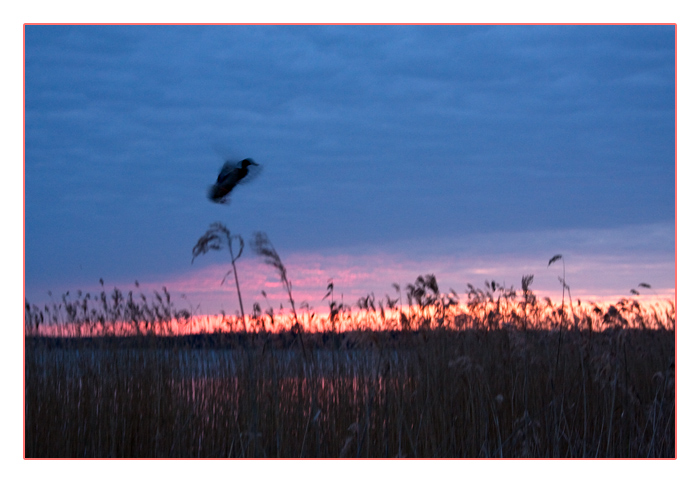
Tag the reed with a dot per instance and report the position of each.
(497, 373)
(423, 394)
(215, 237)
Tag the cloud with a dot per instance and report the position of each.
(600, 264)
(367, 134)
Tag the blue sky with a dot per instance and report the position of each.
(471, 152)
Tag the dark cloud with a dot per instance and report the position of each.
(366, 134)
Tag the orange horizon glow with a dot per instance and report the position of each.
(312, 321)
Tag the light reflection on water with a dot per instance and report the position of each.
(214, 383)
(210, 362)
(198, 371)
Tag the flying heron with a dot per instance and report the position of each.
(232, 174)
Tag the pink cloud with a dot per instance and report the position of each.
(590, 273)
(590, 278)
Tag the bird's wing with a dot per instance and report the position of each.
(228, 169)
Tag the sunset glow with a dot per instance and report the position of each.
(350, 241)
(637, 312)
(454, 262)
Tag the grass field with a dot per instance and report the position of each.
(498, 373)
(501, 374)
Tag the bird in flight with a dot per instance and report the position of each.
(232, 174)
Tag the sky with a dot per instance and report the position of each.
(604, 255)
(473, 152)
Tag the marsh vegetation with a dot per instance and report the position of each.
(421, 374)
(500, 374)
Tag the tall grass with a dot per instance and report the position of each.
(431, 393)
(497, 376)
(214, 239)
(492, 307)
(498, 372)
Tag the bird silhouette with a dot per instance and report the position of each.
(231, 175)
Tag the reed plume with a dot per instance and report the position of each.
(214, 239)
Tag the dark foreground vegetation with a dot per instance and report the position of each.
(427, 393)
(498, 374)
